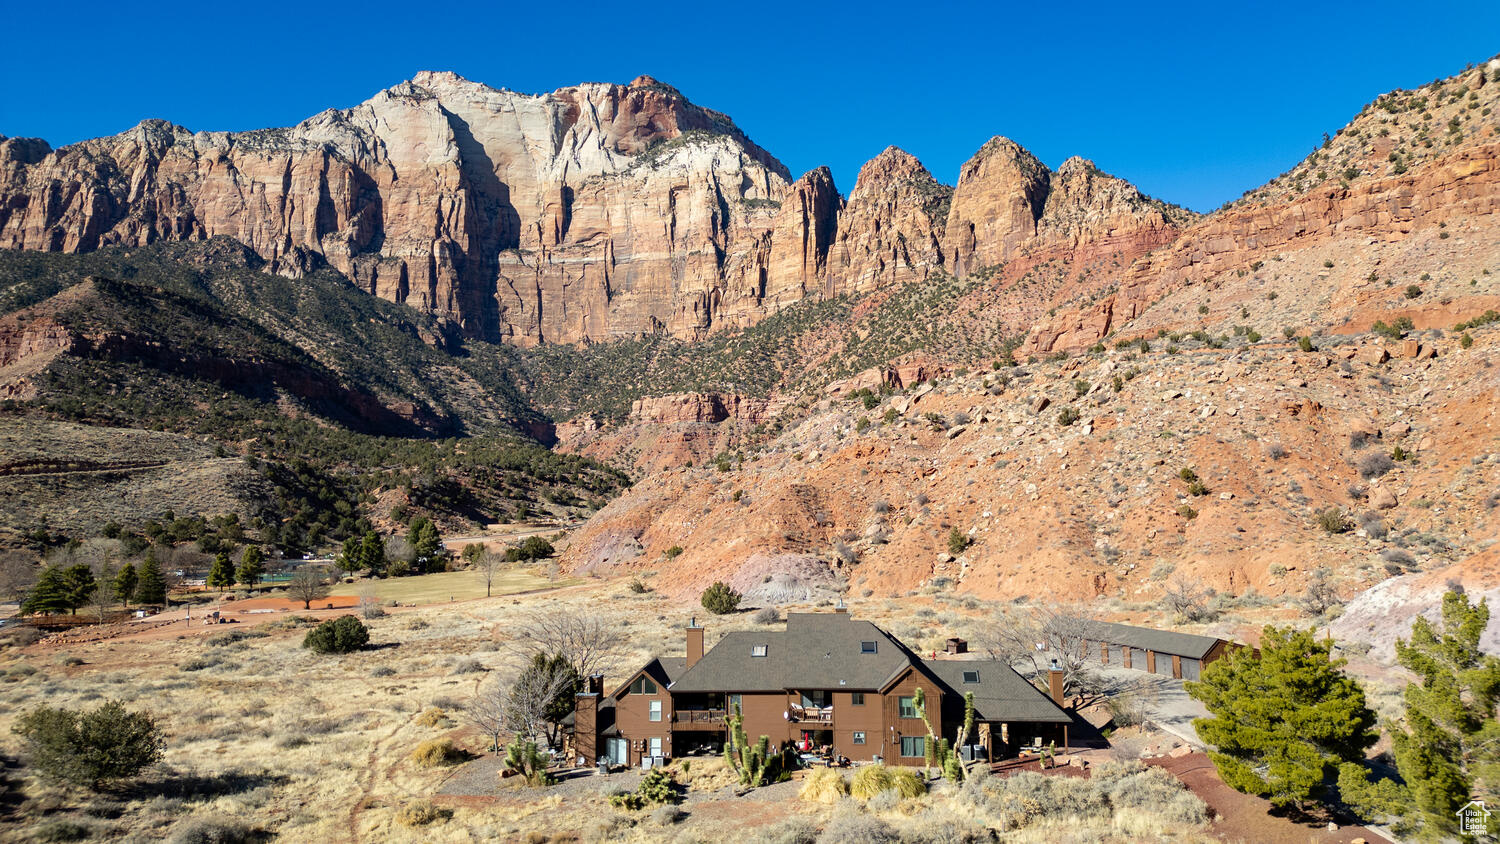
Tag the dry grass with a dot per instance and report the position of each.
(446, 586)
(318, 748)
(825, 785)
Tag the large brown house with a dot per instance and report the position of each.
(827, 681)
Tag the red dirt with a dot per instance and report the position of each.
(1245, 817)
(333, 602)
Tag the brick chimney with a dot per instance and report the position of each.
(1055, 683)
(694, 642)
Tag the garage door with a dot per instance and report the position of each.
(1191, 669)
(1164, 665)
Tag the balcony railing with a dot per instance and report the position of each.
(812, 714)
(706, 718)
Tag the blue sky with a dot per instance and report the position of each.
(1195, 102)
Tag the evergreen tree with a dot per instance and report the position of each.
(424, 539)
(80, 584)
(125, 584)
(372, 552)
(1448, 749)
(351, 558)
(150, 587)
(221, 575)
(251, 566)
(1451, 736)
(1281, 722)
(49, 595)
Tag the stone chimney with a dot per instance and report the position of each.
(694, 642)
(1055, 683)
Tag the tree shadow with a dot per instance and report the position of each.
(195, 786)
(11, 796)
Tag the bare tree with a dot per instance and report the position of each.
(1187, 600)
(520, 701)
(1321, 594)
(307, 585)
(18, 572)
(488, 564)
(1040, 639)
(369, 604)
(102, 597)
(584, 639)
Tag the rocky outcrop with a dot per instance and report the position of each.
(1465, 185)
(586, 213)
(1000, 196)
(891, 229)
(589, 213)
(704, 407)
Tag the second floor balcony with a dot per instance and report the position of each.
(698, 719)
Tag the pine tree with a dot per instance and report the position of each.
(251, 566)
(80, 584)
(424, 539)
(350, 558)
(221, 575)
(372, 552)
(1281, 722)
(1451, 740)
(49, 595)
(150, 587)
(125, 584)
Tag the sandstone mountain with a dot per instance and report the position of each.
(590, 213)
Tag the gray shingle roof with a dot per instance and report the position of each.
(816, 651)
(1000, 695)
(1147, 638)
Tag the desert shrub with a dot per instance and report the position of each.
(767, 615)
(1333, 520)
(214, 830)
(851, 826)
(198, 663)
(609, 828)
(720, 598)
(792, 830)
(1275, 451)
(433, 717)
(434, 753)
(825, 785)
(420, 813)
(658, 786)
(873, 779)
(939, 826)
(1397, 556)
(1375, 464)
(667, 815)
(382, 671)
(639, 587)
(61, 829)
(341, 635)
(1067, 416)
(468, 666)
(90, 748)
(958, 541)
(628, 800)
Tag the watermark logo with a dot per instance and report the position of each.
(1474, 819)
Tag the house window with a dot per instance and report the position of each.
(908, 706)
(857, 698)
(867, 647)
(757, 650)
(971, 676)
(643, 686)
(913, 745)
(655, 710)
(733, 702)
(817, 699)
(655, 747)
(859, 737)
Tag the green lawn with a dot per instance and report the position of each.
(457, 585)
